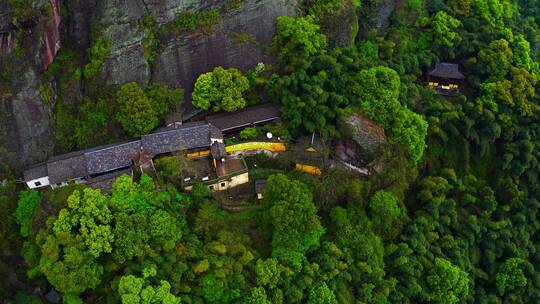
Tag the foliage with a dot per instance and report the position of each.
(249, 133)
(131, 291)
(511, 275)
(97, 54)
(92, 126)
(377, 94)
(28, 202)
(136, 113)
(164, 99)
(448, 283)
(321, 294)
(220, 89)
(292, 218)
(298, 38)
(384, 207)
(192, 21)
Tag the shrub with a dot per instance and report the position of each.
(249, 133)
(136, 113)
(96, 57)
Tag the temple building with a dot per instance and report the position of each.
(100, 166)
(446, 78)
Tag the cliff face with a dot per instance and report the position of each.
(182, 57)
(25, 135)
(26, 120)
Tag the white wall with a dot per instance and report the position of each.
(43, 180)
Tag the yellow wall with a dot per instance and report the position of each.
(203, 153)
(309, 169)
(270, 146)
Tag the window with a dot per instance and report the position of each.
(222, 184)
(211, 187)
(37, 184)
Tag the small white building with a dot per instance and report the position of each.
(37, 176)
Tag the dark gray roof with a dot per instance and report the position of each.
(53, 297)
(66, 167)
(173, 118)
(188, 136)
(105, 182)
(215, 132)
(260, 185)
(246, 117)
(447, 70)
(111, 157)
(36, 172)
(218, 150)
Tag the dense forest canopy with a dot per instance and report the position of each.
(451, 216)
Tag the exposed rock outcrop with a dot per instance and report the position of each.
(368, 136)
(341, 27)
(385, 9)
(182, 57)
(24, 125)
(25, 135)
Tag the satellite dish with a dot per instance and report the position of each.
(269, 135)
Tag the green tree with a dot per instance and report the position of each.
(92, 126)
(321, 294)
(444, 29)
(510, 275)
(447, 282)
(298, 38)
(220, 89)
(28, 202)
(257, 295)
(291, 214)
(131, 291)
(268, 272)
(249, 133)
(135, 111)
(376, 91)
(75, 240)
(165, 229)
(164, 99)
(495, 61)
(385, 208)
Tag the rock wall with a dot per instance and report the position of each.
(385, 9)
(24, 125)
(365, 132)
(182, 57)
(51, 36)
(25, 134)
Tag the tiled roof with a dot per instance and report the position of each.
(218, 150)
(188, 136)
(215, 132)
(260, 185)
(36, 172)
(447, 70)
(66, 167)
(173, 118)
(246, 117)
(111, 157)
(105, 182)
